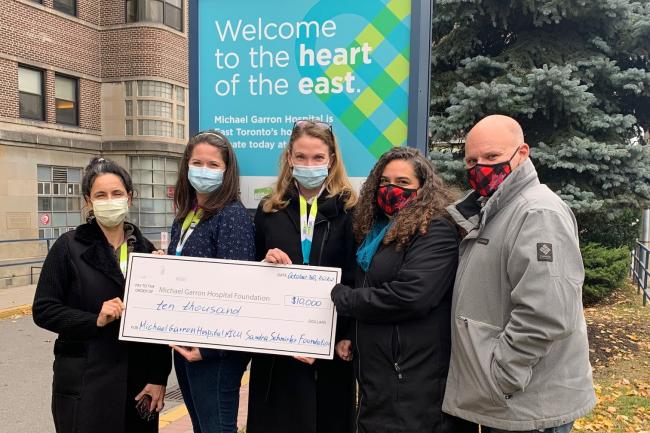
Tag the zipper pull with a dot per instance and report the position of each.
(464, 319)
(398, 370)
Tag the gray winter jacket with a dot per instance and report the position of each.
(520, 357)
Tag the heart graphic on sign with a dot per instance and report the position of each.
(376, 112)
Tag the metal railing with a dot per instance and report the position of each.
(33, 264)
(15, 241)
(639, 269)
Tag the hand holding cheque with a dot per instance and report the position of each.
(232, 305)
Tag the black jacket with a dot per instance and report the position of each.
(96, 376)
(401, 338)
(286, 395)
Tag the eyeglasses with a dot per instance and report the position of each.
(301, 123)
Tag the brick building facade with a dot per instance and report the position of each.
(79, 78)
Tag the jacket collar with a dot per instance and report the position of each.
(328, 207)
(473, 211)
(522, 178)
(99, 254)
(466, 211)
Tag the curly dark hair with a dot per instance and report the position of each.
(430, 202)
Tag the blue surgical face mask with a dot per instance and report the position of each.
(205, 180)
(310, 176)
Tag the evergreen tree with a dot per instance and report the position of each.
(574, 73)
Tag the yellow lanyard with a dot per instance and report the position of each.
(307, 227)
(124, 251)
(189, 224)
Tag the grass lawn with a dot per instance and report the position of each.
(619, 340)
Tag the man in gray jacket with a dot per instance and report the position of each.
(520, 357)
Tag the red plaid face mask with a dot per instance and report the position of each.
(391, 198)
(486, 178)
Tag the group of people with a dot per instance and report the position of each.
(452, 313)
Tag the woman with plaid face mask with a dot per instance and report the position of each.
(401, 298)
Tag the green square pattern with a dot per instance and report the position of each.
(400, 8)
(370, 35)
(396, 132)
(368, 102)
(385, 22)
(338, 70)
(383, 85)
(380, 146)
(398, 69)
(405, 116)
(353, 118)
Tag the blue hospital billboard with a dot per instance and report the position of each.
(257, 66)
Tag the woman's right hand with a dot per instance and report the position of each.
(344, 350)
(276, 255)
(111, 311)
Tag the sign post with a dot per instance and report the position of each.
(258, 66)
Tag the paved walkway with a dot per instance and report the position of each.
(17, 301)
(178, 421)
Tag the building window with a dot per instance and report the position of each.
(154, 179)
(180, 131)
(155, 89)
(167, 12)
(155, 127)
(66, 100)
(128, 88)
(67, 6)
(145, 99)
(59, 200)
(30, 90)
(155, 109)
(180, 94)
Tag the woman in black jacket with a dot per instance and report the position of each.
(98, 379)
(312, 193)
(401, 298)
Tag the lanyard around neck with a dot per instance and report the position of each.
(307, 227)
(189, 224)
(124, 252)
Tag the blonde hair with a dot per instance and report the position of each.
(336, 183)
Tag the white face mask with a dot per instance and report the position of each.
(111, 212)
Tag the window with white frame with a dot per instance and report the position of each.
(59, 200)
(66, 90)
(30, 92)
(154, 108)
(156, 89)
(154, 180)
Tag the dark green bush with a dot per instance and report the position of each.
(605, 270)
(609, 227)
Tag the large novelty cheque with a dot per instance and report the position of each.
(232, 305)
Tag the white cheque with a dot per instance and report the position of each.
(232, 305)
